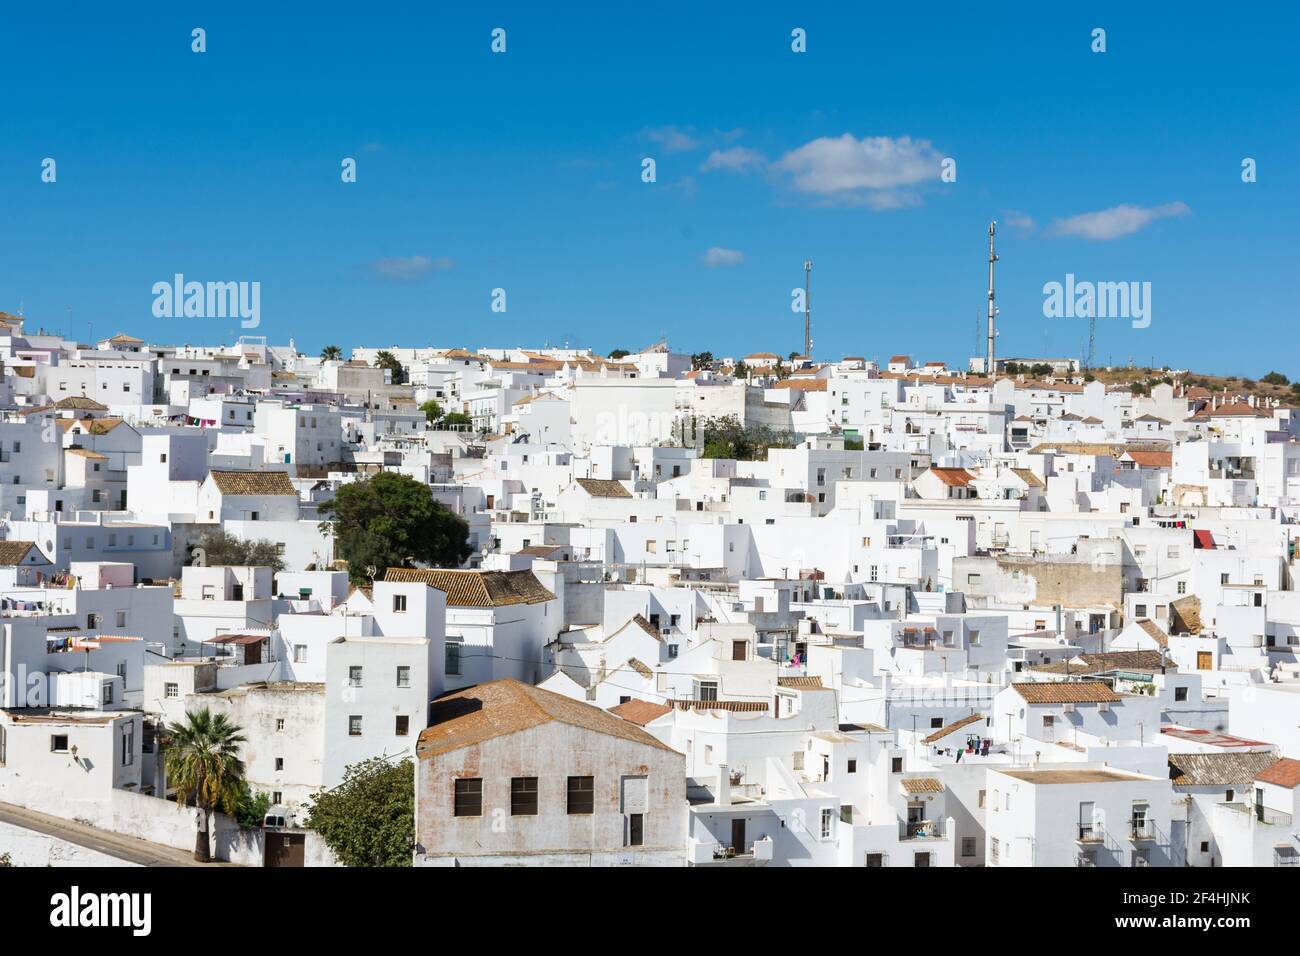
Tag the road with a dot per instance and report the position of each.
(126, 848)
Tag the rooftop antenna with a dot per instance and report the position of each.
(807, 308)
(991, 368)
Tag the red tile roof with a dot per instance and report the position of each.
(1284, 773)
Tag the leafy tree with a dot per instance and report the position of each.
(1011, 368)
(388, 360)
(456, 420)
(701, 360)
(725, 437)
(369, 818)
(1040, 369)
(432, 411)
(1275, 378)
(202, 763)
(389, 520)
(251, 807)
(854, 444)
(740, 371)
(220, 548)
(331, 353)
(619, 353)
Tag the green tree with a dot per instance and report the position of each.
(619, 353)
(389, 520)
(369, 818)
(1276, 378)
(741, 371)
(701, 360)
(432, 411)
(331, 353)
(251, 807)
(202, 763)
(221, 548)
(456, 420)
(388, 360)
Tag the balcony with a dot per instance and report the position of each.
(921, 830)
(1090, 834)
(709, 853)
(1141, 830)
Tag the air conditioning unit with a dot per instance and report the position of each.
(1103, 707)
(1067, 708)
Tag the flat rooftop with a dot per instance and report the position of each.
(1073, 776)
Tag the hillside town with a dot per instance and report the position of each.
(656, 608)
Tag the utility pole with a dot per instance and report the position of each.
(807, 308)
(991, 368)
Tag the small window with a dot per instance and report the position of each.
(453, 659)
(403, 726)
(399, 603)
(635, 829)
(523, 796)
(967, 846)
(59, 743)
(896, 765)
(582, 795)
(468, 797)
(300, 653)
(279, 724)
(354, 725)
(354, 676)
(171, 691)
(403, 676)
(1180, 693)
(279, 764)
(853, 766)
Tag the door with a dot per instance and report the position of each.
(738, 835)
(285, 849)
(1204, 660)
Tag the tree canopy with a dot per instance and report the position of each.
(388, 360)
(432, 411)
(369, 818)
(726, 437)
(201, 758)
(220, 548)
(331, 353)
(390, 520)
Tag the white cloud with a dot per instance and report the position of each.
(737, 159)
(1018, 220)
(861, 171)
(719, 258)
(1122, 220)
(671, 139)
(409, 268)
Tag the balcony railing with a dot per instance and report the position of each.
(1089, 834)
(921, 830)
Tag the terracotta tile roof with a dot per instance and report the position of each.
(477, 714)
(1114, 449)
(1282, 773)
(477, 588)
(1211, 738)
(640, 668)
(1233, 410)
(13, 552)
(1218, 770)
(93, 426)
(1054, 692)
(1186, 615)
(814, 683)
(955, 725)
(1086, 664)
(80, 403)
(1154, 632)
(953, 477)
(802, 384)
(922, 785)
(124, 339)
(603, 488)
(1028, 477)
(80, 452)
(640, 712)
(735, 706)
(1152, 459)
(253, 482)
(640, 621)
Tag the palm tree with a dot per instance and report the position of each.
(202, 763)
(331, 353)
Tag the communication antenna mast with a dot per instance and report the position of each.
(991, 368)
(807, 308)
(1092, 338)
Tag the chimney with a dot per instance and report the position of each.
(723, 796)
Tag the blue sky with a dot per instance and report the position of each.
(522, 171)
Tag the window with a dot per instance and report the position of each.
(403, 676)
(279, 764)
(279, 724)
(738, 650)
(936, 722)
(354, 676)
(896, 765)
(59, 743)
(171, 691)
(828, 821)
(635, 829)
(453, 659)
(399, 603)
(403, 726)
(523, 796)
(106, 693)
(120, 619)
(582, 795)
(1180, 693)
(468, 797)
(875, 861)
(706, 690)
(128, 744)
(300, 653)
(974, 638)
(853, 766)
(354, 725)
(967, 846)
